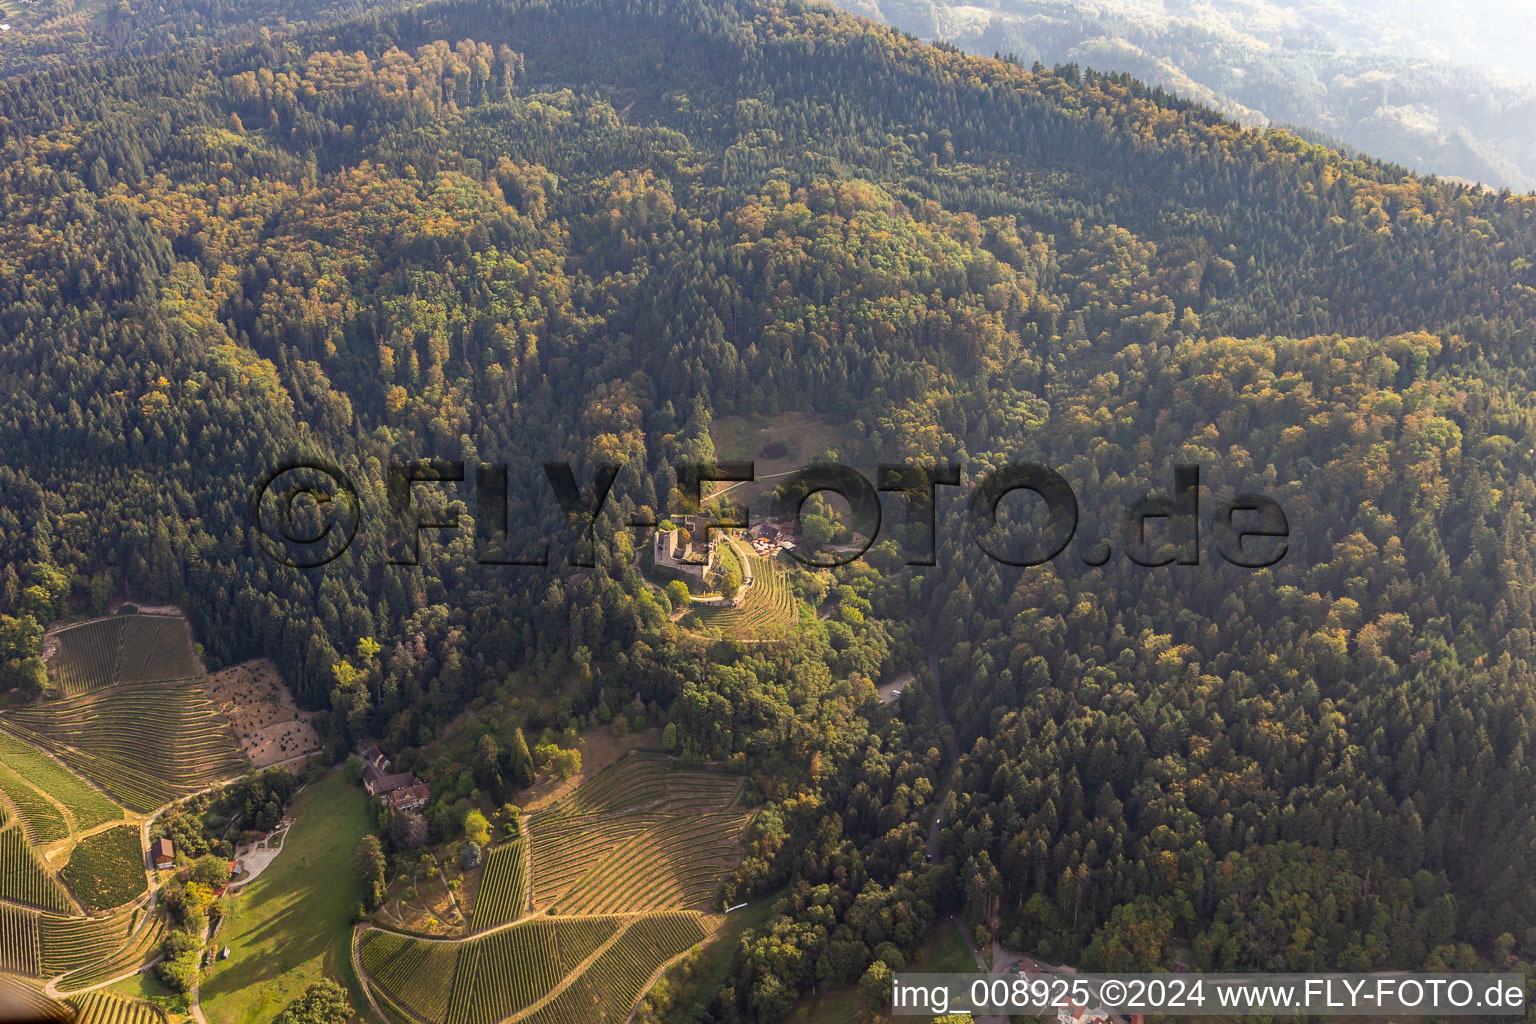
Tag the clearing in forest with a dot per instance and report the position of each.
(265, 719)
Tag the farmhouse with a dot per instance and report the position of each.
(768, 538)
(403, 790)
(372, 755)
(378, 783)
(410, 798)
(162, 854)
(679, 551)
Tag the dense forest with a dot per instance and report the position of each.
(586, 230)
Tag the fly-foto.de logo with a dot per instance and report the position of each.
(307, 513)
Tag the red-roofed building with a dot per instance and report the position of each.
(411, 798)
(162, 854)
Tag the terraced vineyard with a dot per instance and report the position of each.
(143, 944)
(20, 950)
(86, 950)
(23, 879)
(144, 743)
(105, 1008)
(122, 649)
(482, 980)
(564, 850)
(26, 773)
(85, 657)
(610, 986)
(40, 819)
(767, 609)
(644, 782)
(133, 721)
(678, 863)
(520, 965)
(503, 894)
(73, 943)
(157, 648)
(414, 975)
(619, 863)
(639, 836)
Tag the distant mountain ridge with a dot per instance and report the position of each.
(1439, 91)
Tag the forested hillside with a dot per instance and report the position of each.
(1441, 88)
(589, 229)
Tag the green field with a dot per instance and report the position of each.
(293, 925)
(767, 610)
(149, 988)
(106, 870)
(504, 890)
(829, 1006)
(945, 952)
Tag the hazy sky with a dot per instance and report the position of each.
(1491, 33)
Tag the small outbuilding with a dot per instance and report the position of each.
(162, 854)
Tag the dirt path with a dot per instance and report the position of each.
(453, 899)
(713, 495)
(194, 996)
(571, 975)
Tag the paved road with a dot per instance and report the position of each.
(259, 859)
(981, 965)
